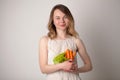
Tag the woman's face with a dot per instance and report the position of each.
(60, 20)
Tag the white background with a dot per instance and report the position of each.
(23, 22)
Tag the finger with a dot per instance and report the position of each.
(70, 60)
(68, 70)
(75, 65)
(71, 70)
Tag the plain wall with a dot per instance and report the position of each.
(23, 22)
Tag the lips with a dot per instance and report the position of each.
(62, 25)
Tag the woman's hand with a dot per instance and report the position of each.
(67, 65)
(74, 68)
(70, 66)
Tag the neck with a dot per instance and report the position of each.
(61, 34)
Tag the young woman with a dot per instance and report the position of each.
(62, 36)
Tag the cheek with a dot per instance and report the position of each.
(55, 21)
(67, 22)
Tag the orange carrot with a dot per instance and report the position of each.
(67, 54)
(74, 54)
(71, 54)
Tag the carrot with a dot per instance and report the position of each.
(67, 54)
(74, 54)
(71, 54)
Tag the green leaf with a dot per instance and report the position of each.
(59, 58)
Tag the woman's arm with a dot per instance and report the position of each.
(43, 59)
(85, 57)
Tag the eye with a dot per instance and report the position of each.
(57, 17)
(65, 17)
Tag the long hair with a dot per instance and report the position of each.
(51, 27)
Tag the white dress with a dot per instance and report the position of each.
(54, 48)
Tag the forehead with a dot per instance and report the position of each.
(57, 12)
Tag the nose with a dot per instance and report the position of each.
(62, 20)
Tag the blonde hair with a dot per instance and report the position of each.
(51, 27)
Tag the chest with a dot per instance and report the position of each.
(58, 46)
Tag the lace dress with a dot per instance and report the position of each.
(54, 48)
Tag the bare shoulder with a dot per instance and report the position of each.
(79, 43)
(44, 39)
(77, 40)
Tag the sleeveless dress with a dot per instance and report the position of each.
(54, 48)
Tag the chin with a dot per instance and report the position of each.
(63, 28)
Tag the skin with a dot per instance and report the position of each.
(61, 22)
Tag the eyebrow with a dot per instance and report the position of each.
(59, 16)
